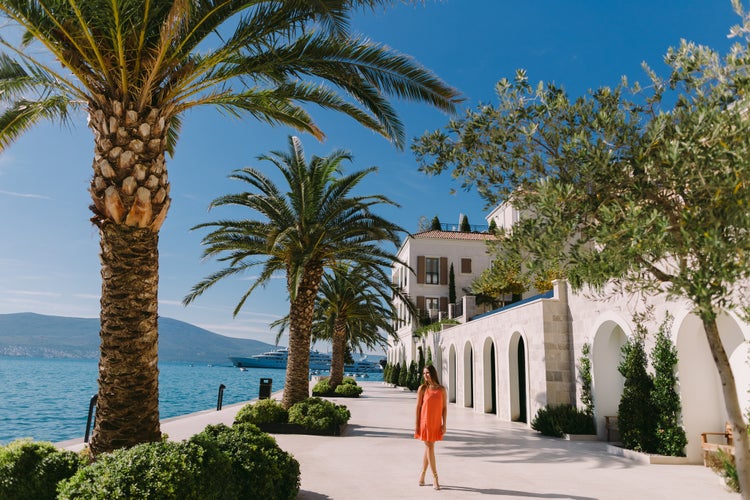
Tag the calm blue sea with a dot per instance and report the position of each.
(48, 399)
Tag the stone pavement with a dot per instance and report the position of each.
(377, 457)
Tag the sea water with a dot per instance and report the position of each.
(48, 399)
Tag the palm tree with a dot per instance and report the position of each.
(314, 225)
(134, 67)
(353, 307)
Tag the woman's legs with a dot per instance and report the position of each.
(425, 462)
(429, 452)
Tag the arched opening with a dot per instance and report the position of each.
(607, 382)
(489, 379)
(703, 406)
(468, 376)
(518, 380)
(452, 374)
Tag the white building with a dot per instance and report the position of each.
(513, 361)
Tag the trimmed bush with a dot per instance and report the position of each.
(348, 390)
(637, 414)
(164, 470)
(260, 469)
(322, 388)
(563, 419)
(318, 414)
(349, 380)
(263, 411)
(30, 470)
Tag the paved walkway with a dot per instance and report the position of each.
(377, 457)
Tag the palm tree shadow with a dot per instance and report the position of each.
(311, 495)
(512, 493)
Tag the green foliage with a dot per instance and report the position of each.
(263, 411)
(636, 412)
(349, 380)
(155, 470)
(434, 327)
(465, 227)
(492, 229)
(563, 419)
(318, 414)
(435, 224)
(429, 357)
(30, 470)
(451, 285)
(259, 468)
(503, 277)
(584, 374)
(670, 435)
(403, 376)
(348, 390)
(414, 376)
(395, 374)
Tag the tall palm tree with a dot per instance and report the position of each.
(354, 306)
(133, 67)
(315, 224)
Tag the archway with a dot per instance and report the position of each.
(489, 376)
(607, 382)
(703, 407)
(518, 379)
(452, 374)
(468, 375)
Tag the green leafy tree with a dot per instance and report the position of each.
(353, 308)
(502, 278)
(492, 229)
(133, 68)
(403, 376)
(636, 412)
(465, 227)
(312, 223)
(435, 224)
(670, 435)
(645, 194)
(451, 285)
(584, 375)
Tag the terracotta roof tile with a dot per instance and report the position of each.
(453, 235)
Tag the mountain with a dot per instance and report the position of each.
(29, 334)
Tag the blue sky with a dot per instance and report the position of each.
(49, 260)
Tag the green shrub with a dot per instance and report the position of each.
(395, 374)
(348, 390)
(403, 376)
(322, 388)
(30, 470)
(670, 435)
(349, 380)
(164, 470)
(263, 411)
(318, 414)
(260, 469)
(414, 376)
(637, 414)
(563, 419)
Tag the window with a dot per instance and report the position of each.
(432, 303)
(465, 266)
(432, 272)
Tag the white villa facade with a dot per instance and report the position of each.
(513, 361)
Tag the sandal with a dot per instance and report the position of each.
(421, 478)
(435, 485)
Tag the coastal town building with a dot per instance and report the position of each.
(515, 360)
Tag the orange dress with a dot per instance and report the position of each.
(431, 416)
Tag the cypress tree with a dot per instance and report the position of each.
(670, 435)
(465, 226)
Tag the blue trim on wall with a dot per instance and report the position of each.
(546, 295)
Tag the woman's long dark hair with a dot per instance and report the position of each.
(433, 375)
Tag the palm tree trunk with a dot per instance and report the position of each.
(297, 385)
(731, 402)
(130, 194)
(127, 410)
(338, 353)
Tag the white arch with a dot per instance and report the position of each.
(518, 378)
(489, 376)
(451, 382)
(607, 383)
(468, 375)
(703, 406)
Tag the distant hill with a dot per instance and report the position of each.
(36, 335)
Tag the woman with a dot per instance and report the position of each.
(432, 410)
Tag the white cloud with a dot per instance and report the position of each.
(25, 195)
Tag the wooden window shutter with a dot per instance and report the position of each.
(465, 265)
(443, 270)
(421, 269)
(444, 304)
(420, 302)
